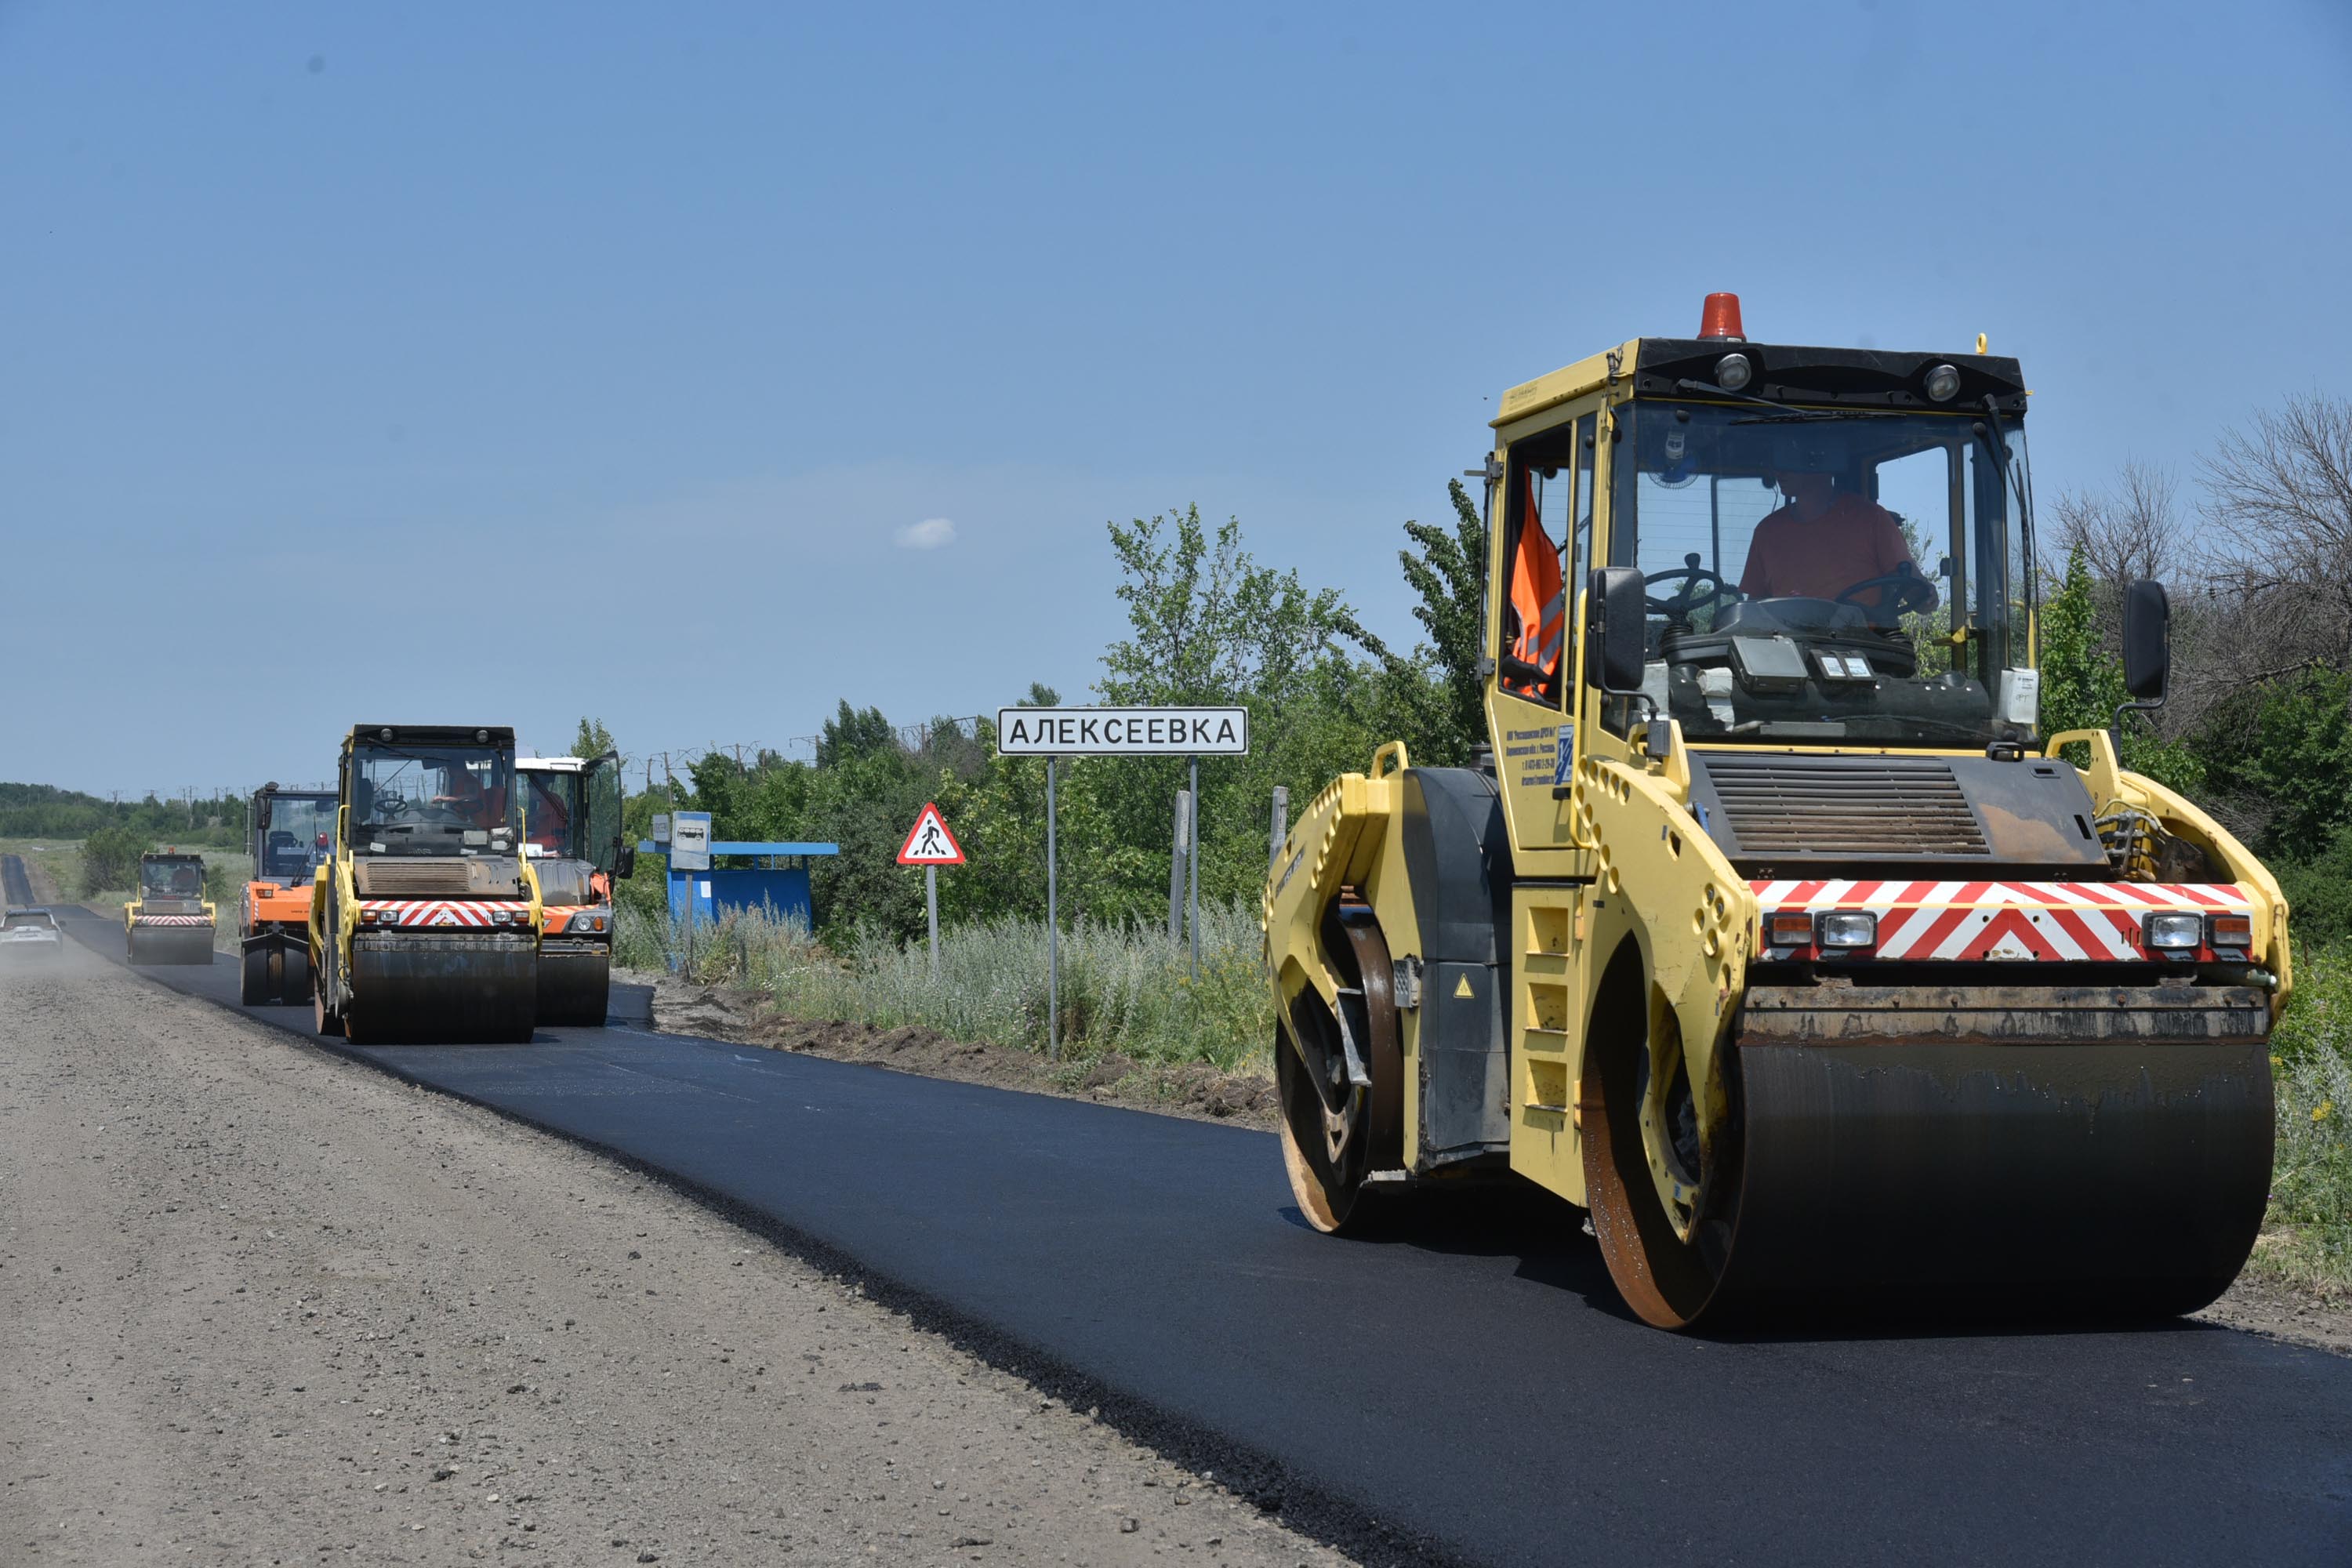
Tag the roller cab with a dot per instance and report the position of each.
(571, 832)
(170, 922)
(292, 835)
(425, 923)
(1775, 930)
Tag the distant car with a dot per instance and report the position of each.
(30, 934)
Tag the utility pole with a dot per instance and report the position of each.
(1281, 830)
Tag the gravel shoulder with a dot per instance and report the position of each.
(258, 1303)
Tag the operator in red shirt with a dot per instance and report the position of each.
(1824, 541)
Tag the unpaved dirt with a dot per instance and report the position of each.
(2254, 1304)
(744, 1017)
(261, 1305)
(2284, 1312)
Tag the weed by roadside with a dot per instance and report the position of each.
(1125, 989)
(2307, 1235)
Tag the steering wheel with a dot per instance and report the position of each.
(1678, 606)
(1902, 592)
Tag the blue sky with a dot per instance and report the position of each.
(512, 363)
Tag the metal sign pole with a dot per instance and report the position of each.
(1176, 867)
(1053, 932)
(1193, 872)
(932, 903)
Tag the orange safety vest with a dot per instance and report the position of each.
(1536, 600)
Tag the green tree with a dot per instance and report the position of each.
(2083, 684)
(853, 732)
(593, 740)
(1449, 576)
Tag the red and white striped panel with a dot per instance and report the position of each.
(2049, 922)
(462, 913)
(171, 919)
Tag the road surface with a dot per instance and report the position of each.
(1468, 1390)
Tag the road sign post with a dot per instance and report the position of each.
(689, 852)
(1052, 931)
(1193, 871)
(1182, 841)
(931, 846)
(1056, 732)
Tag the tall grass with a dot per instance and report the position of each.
(2310, 1222)
(1123, 988)
(2311, 1184)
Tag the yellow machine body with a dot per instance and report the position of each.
(171, 920)
(425, 923)
(1580, 963)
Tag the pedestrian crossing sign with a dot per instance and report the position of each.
(928, 842)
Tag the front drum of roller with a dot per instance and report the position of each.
(2113, 1179)
(442, 988)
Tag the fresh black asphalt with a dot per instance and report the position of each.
(1469, 1389)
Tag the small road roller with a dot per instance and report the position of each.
(1772, 930)
(424, 921)
(292, 834)
(571, 832)
(171, 920)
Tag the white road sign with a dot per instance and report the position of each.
(1122, 731)
(689, 841)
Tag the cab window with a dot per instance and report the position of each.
(1547, 544)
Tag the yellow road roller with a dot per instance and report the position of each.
(425, 923)
(1774, 931)
(171, 920)
(572, 831)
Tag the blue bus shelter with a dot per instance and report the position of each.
(776, 881)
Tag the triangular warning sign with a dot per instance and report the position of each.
(928, 842)
(1462, 987)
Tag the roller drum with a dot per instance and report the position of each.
(275, 971)
(155, 944)
(575, 980)
(478, 987)
(2124, 1177)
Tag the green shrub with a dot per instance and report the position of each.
(2320, 1010)
(110, 858)
(2319, 891)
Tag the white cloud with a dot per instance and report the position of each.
(929, 534)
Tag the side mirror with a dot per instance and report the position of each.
(2148, 641)
(625, 864)
(1616, 630)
